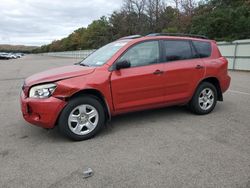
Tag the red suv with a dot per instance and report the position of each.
(133, 73)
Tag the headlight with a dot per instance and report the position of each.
(42, 91)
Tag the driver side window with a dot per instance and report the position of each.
(145, 53)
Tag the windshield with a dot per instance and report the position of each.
(103, 54)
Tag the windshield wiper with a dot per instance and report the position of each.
(82, 64)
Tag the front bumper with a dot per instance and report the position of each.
(41, 112)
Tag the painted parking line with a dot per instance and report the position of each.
(239, 92)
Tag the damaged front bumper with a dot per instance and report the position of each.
(41, 112)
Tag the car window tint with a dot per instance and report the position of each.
(178, 50)
(203, 48)
(145, 53)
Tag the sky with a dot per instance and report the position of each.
(38, 22)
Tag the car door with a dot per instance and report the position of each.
(141, 84)
(183, 70)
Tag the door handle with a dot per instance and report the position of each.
(199, 67)
(157, 72)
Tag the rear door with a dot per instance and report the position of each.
(183, 70)
(142, 83)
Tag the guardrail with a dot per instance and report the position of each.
(237, 53)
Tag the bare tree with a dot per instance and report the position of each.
(153, 10)
(128, 6)
(177, 3)
(139, 6)
(188, 6)
(135, 17)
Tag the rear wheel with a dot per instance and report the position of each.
(204, 99)
(82, 118)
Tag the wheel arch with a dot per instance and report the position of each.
(216, 83)
(97, 94)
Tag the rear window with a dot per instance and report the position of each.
(203, 48)
(177, 50)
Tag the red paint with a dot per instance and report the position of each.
(125, 90)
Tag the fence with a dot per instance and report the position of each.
(237, 53)
(79, 54)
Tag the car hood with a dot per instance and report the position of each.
(60, 73)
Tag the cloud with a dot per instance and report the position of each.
(37, 22)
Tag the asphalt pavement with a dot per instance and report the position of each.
(168, 147)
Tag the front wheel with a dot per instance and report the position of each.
(204, 99)
(82, 118)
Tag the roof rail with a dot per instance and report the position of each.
(177, 34)
(130, 37)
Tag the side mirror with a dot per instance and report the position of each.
(122, 64)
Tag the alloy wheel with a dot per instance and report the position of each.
(206, 99)
(83, 119)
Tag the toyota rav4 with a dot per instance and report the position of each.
(130, 74)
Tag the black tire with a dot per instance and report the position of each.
(72, 104)
(194, 104)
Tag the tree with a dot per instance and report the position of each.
(98, 33)
(223, 20)
(218, 19)
(154, 9)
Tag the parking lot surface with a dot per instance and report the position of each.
(167, 147)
